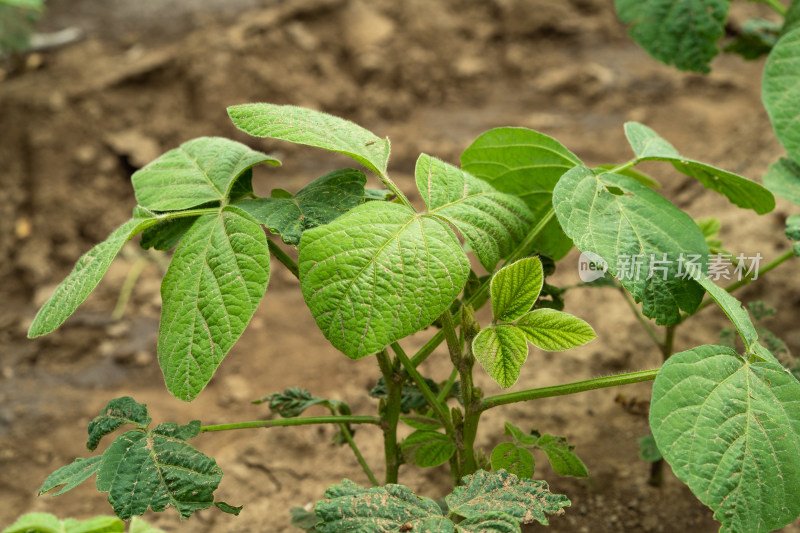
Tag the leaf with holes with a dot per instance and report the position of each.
(379, 273)
(313, 128)
(216, 279)
(319, 202)
(490, 221)
(780, 91)
(649, 146)
(527, 164)
(515, 288)
(427, 448)
(199, 171)
(555, 331)
(501, 350)
(633, 227)
(730, 430)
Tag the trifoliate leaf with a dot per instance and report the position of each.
(313, 128)
(554, 331)
(515, 288)
(501, 350)
(514, 458)
(71, 475)
(783, 179)
(199, 171)
(780, 91)
(730, 430)
(319, 202)
(527, 164)
(427, 448)
(115, 414)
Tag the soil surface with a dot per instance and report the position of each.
(77, 121)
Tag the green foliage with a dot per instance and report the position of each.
(793, 232)
(780, 91)
(736, 441)
(427, 448)
(515, 288)
(648, 450)
(783, 179)
(514, 458)
(683, 33)
(117, 413)
(756, 39)
(48, 523)
(559, 453)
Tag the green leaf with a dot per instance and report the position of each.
(141, 470)
(228, 508)
(88, 272)
(491, 222)
(648, 449)
(185, 432)
(793, 228)
(711, 228)
(554, 331)
(216, 279)
(633, 229)
(48, 523)
(783, 179)
(292, 402)
(501, 351)
(756, 39)
(527, 164)
(731, 431)
(733, 308)
(199, 171)
(513, 458)
(37, 5)
(378, 273)
(305, 520)
(526, 500)
(780, 91)
(411, 396)
(422, 422)
(515, 288)
(791, 19)
(519, 436)
(683, 33)
(71, 475)
(166, 234)
(649, 146)
(140, 526)
(563, 460)
(349, 507)
(428, 448)
(489, 522)
(319, 202)
(313, 128)
(115, 414)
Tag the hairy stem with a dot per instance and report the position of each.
(569, 388)
(302, 421)
(392, 186)
(438, 406)
(622, 167)
(390, 413)
(284, 258)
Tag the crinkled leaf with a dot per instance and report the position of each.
(501, 350)
(185, 432)
(780, 91)
(319, 202)
(48, 523)
(197, 172)
(756, 39)
(313, 128)
(731, 431)
(489, 522)
(115, 414)
(291, 402)
(648, 449)
(71, 475)
(88, 272)
(563, 460)
(783, 179)
(491, 222)
(515, 288)
(141, 470)
(378, 273)
(526, 500)
(683, 33)
(216, 279)
(513, 458)
(632, 228)
(427, 448)
(349, 507)
(166, 234)
(649, 146)
(554, 331)
(527, 164)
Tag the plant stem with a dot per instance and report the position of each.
(640, 317)
(395, 189)
(284, 258)
(360, 458)
(303, 421)
(532, 235)
(622, 167)
(438, 406)
(776, 6)
(390, 413)
(569, 388)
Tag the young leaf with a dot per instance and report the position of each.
(515, 288)
(554, 331)
(513, 458)
(648, 450)
(501, 351)
(527, 164)
(115, 414)
(491, 222)
(199, 171)
(291, 402)
(783, 179)
(88, 272)
(313, 128)
(683, 33)
(141, 470)
(629, 230)
(731, 431)
(378, 273)
(428, 448)
(71, 475)
(216, 279)
(649, 146)
(519, 436)
(780, 91)
(166, 234)
(47, 523)
(526, 500)
(319, 202)
(563, 460)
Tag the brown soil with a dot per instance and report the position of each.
(76, 121)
